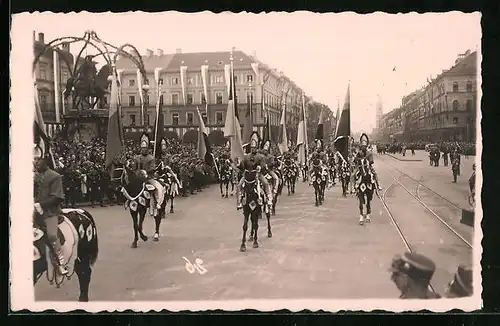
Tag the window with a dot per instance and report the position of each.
(204, 118)
(161, 99)
(469, 86)
(218, 80)
(132, 119)
(175, 81)
(189, 99)
(249, 78)
(43, 102)
(146, 100)
(235, 80)
(190, 118)
(218, 98)
(64, 78)
(219, 118)
(203, 99)
(131, 100)
(175, 100)
(147, 120)
(131, 83)
(455, 105)
(455, 87)
(43, 73)
(105, 100)
(190, 80)
(468, 105)
(455, 120)
(175, 119)
(146, 81)
(160, 81)
(249, 97)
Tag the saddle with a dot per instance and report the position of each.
(69, 238)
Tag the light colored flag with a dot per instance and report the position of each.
(283, 139)
(301, 134)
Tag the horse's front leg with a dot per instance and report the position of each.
(135, 224)
(246, 214)
(316, 190)
(159, 216)
(268, 215)
(227, 188)
(368, 207)
(254, 215)
(361, 198)
(172, 204)
(84, 273)
(221, 184)
(142, 215)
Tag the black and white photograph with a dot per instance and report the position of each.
(194, 161)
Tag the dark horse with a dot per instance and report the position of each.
(345, 177)
(318, 181)
(290, 175)
(268, 209)
(87, 83)
(78, 234)
(364, 189)
(226, 177)
(252, 203)
(166, 177)
(140, 195)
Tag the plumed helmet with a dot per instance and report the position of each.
(266, 145)
(290, 143)
(163, 144)
(254, 140)
(363, 140)
(144, 140)
(319, 144)
(37, 152)
(228, 144)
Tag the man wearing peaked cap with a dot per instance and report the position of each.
(461, 285)
(412, 274)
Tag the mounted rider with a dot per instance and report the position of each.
(48, 197)
(251, 162)
(364, 153)
(146, 163)
(455, 159)
(267, 169)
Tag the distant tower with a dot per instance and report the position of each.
(379, 112)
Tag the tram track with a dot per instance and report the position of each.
(409, 234)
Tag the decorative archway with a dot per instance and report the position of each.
(191, 136)
(217, 138)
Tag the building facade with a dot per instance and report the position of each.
(52, 71)
(443, 110)
(201, 80)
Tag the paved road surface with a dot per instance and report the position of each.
(316, 252)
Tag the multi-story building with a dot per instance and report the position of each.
(52, 71)
(200, 80)
(443, 110)
(391, 126)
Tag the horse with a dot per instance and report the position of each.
(332, 171)
(364, 189)
(344, 176)
(455, 168)
(226, 177)
(318, 181)
(268, 210)
(290, 175)
(167, 178)
(88, 83)
(140, 195)
(78, 235)
(252, 203)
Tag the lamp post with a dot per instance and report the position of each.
(144, 106)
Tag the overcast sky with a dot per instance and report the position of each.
(320, 52)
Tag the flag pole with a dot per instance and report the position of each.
(158, 93)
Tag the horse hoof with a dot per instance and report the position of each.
(269, 234)
(144, 238)
(172, 210)
(222, 195)
(156, 237)
(317, 204)
(226, 196)
(83, 299)
(255, 245)
(368, 220)
(361, 223)
(243, 248)
(133, 245)
(232, 195)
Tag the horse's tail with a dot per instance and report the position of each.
(93, 247)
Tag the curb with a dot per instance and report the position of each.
(404, 160)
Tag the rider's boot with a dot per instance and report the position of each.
(59, 257)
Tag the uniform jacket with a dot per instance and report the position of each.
(49, 192)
